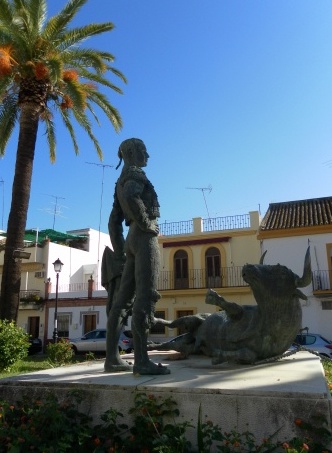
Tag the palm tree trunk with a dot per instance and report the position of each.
(11, 276)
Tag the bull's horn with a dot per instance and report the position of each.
(306, 277)
(261, 261)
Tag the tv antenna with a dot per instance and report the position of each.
(103, 166)
(203, 190)
(56, 210)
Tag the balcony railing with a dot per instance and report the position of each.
(30, 294)
(321, 280)
(73, 287)
(171, 228)
(234, 222)
(196, 279)
(212, 224)
(199, 279)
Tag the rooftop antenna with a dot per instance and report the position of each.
(3, 200)
(55, 212)
(103, 166)
(203, 190)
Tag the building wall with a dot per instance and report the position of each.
(290, 251)
(78, 266)
(237, 247)
(76, 310)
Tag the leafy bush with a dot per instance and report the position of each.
(47, 426)
(52, 426)
(14, 344)
(151, 431)
(60, 353)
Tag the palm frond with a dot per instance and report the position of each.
(57, 24)
(6, 14)
(89, 107)
(9, 24)
(30, 12)
(8, 119)
(77, 35)
(77, 94)
(38, 13)
(55, 66)
(51, 138)
(56, 48)
(111, 112)
(118, 73)
(66, 119)
(5, 85)
(98, 79)
(13, 26)
(84, 122)
(85, 57)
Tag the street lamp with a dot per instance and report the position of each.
(57, 267)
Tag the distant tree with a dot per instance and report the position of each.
(44, 69)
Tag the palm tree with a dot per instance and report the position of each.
(44, 70)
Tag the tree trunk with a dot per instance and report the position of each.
(11, 276)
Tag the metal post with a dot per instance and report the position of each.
(55, 332)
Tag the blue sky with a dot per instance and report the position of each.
(232, 94)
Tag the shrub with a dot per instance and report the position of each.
(53, 426)
(60, 353)
(48, 426)
(14, 344)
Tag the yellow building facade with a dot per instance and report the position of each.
(202, 254)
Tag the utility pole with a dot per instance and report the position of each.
(103, 166)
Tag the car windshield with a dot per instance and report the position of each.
(307, 339)
(90, 335)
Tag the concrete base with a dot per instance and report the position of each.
(263, 399)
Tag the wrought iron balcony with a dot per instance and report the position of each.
(199, 279)
(207, 225)
(32, 294)
(31, 298)
(168, 280)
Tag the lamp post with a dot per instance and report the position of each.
(57, 267)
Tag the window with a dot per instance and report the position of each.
(159, 329)
(180, 314)
(212, 268)
(181, 270)
(63, 324)
(326, 304)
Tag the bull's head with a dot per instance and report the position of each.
(276, 279)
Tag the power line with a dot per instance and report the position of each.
(103, 166)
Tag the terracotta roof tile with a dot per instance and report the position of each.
(297, 214)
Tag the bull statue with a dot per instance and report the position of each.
(247, 333)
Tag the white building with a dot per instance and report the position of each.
(286, 231)
(81, 252)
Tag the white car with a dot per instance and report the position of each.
(95, 341)
(315, 342)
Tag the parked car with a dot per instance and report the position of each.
(315, 342)
(36, 346)
(95, 341)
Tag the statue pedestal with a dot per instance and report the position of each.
(261, 399)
